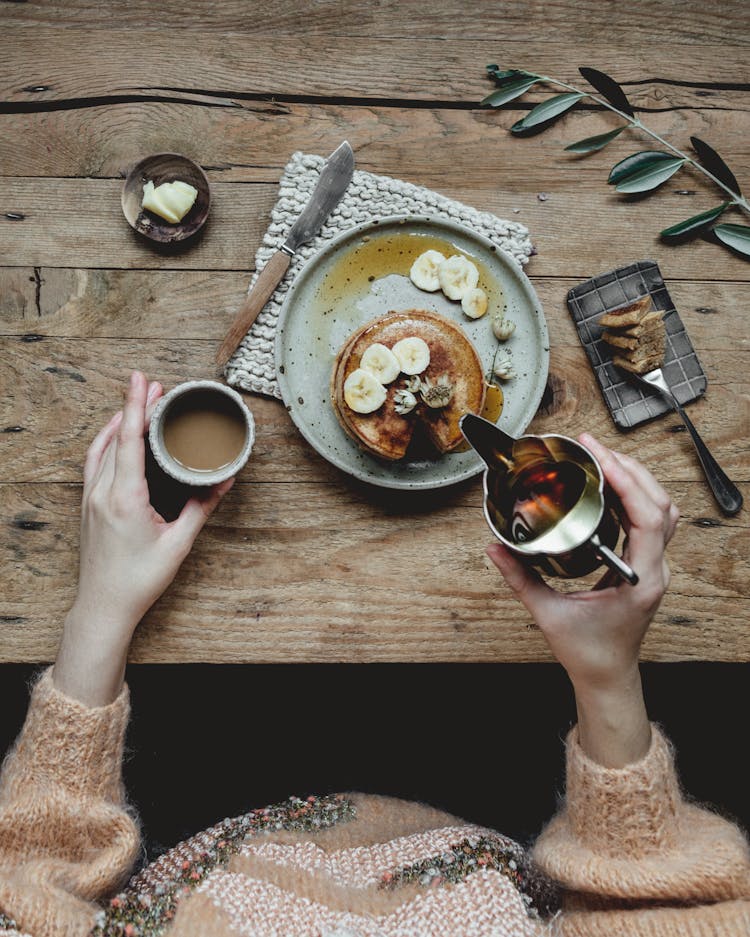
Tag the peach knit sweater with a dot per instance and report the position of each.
(631, 855)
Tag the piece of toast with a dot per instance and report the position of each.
(639, 365)
(386, 433)
(650, 322)
(651, 342)
(637, 336)
(629, 337)
(628, 315)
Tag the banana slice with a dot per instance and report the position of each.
(474, 303)
(457, 276)
(424, 271)
(413, 354)
(381, 363)
(364, 393)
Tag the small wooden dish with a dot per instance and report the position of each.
(165, 167)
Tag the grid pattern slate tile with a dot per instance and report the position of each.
(628, 403)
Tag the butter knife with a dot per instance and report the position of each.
(334, 179)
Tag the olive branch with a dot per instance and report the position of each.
(641, 172)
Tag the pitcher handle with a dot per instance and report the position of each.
(613, 561)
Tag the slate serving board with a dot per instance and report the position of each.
(629, 404)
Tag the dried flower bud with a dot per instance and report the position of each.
(502, 328)
(437, 393)
(503, 367)
(413, 384)
(404, 401)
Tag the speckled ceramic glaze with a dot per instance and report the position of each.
(176, 469)
(334, 294)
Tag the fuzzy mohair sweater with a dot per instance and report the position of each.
(626, 855)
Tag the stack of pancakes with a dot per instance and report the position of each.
(636, 334)
(386, 433)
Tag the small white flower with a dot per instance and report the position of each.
(413, 384)
(404, 401)
(502, 328)
(504, 366)
(437, 394)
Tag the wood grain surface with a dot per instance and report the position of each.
(302, 563)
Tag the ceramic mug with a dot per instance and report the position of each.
(178, 469)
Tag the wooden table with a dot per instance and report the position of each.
(301, 563)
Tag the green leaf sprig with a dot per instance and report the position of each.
(641, 172)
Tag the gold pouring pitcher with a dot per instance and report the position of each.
(545, 498)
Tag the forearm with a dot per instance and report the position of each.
(625, 834)
(90, 663)
(613, 725)
(66, 837)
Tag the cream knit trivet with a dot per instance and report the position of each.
(368, 197)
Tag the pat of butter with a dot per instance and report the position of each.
(171, 200)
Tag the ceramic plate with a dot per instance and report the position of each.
(364, 273)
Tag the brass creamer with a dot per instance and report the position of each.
(546, 499)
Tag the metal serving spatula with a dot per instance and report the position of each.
(727, 494)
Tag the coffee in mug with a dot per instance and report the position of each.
(201, 432)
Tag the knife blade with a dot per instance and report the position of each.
(334, 179)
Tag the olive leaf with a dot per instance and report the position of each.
(636, 162)
(591, 144)
(639, 172)
(736, 236)
(651, 177)
(695, 223)
(715, 164)
(509, 90)
(546, 111)
(609, 88)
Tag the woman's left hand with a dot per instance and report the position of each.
(129, 553)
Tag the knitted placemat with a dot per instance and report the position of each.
(368, 197)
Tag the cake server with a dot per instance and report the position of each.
(727, 494)
(334, 180)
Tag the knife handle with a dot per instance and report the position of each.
(268, 279)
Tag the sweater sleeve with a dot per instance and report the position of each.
(634, 857)
(66, 838)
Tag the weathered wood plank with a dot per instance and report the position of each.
(241, 145)
(82, 218)
(167, 304)
(37, 66)
(71, 279)
(316, 573)
(61, 391)
(450, 19)
(79, 223)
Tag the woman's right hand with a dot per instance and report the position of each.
(596, 634)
